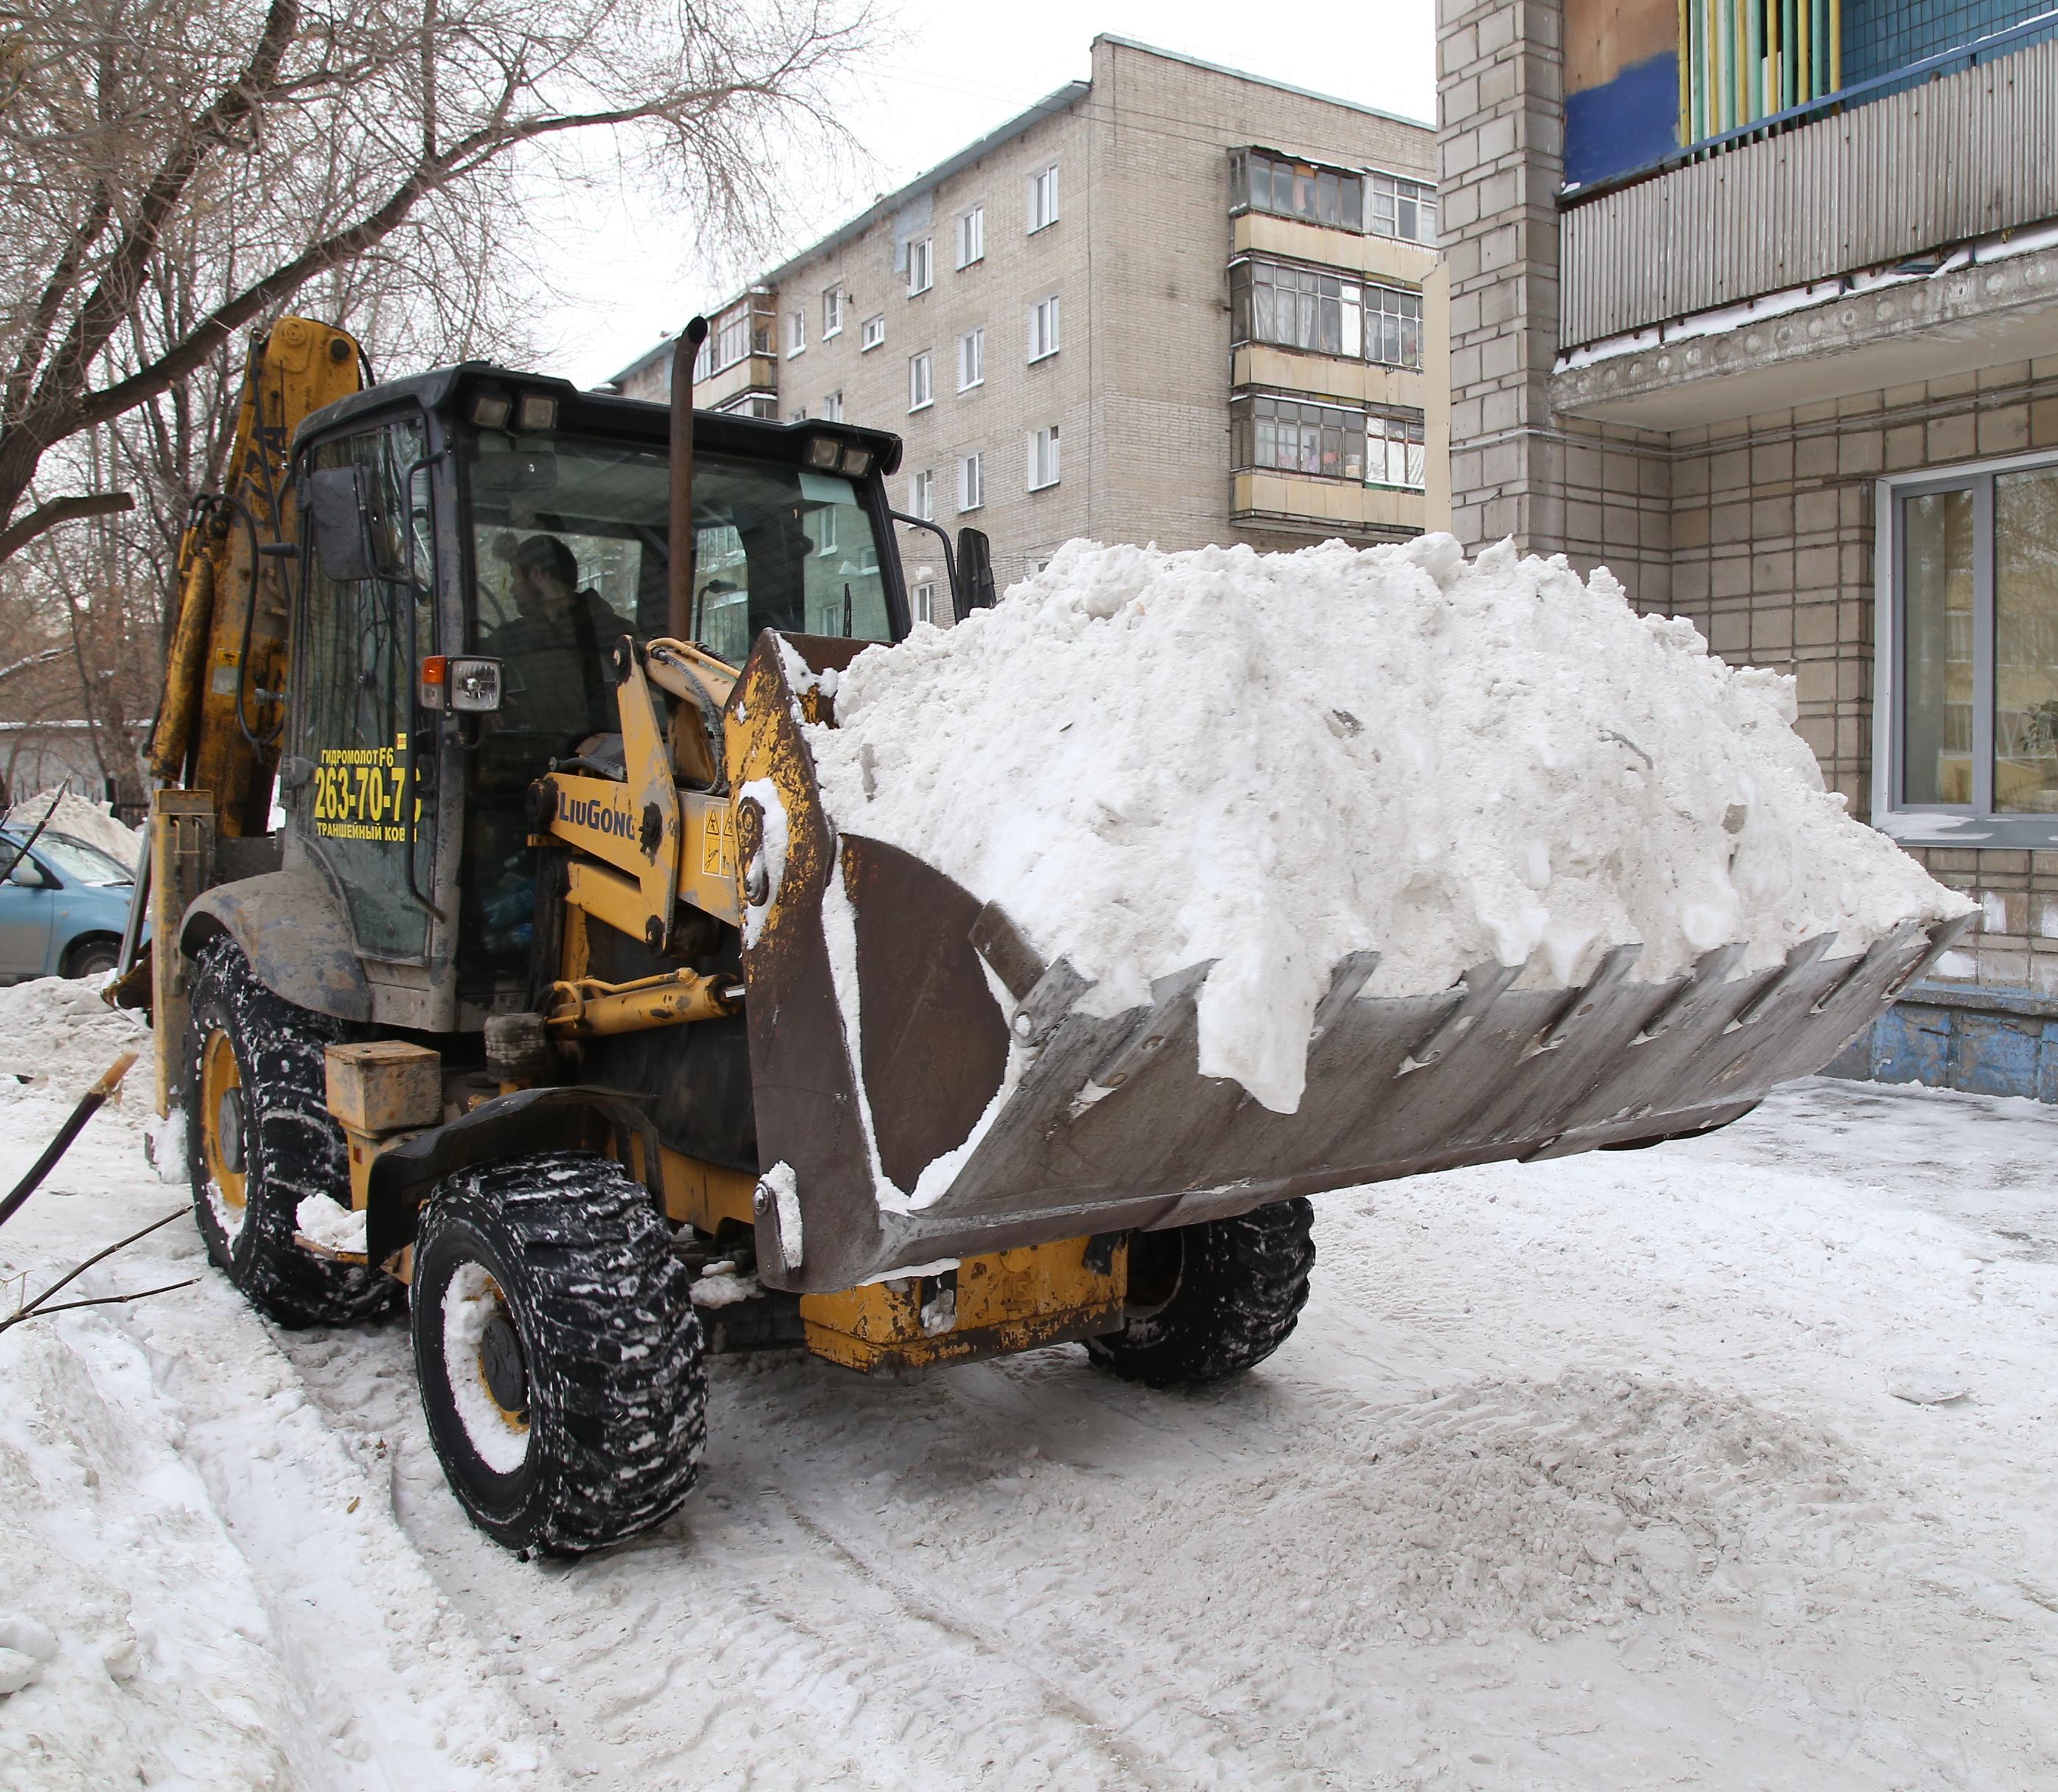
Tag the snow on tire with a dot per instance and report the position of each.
(1211, 1300)
(260, 1140)
(558, 1353)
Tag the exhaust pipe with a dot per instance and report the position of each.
(680, 620)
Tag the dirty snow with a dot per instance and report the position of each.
(1586, 1474)
(1155, 759)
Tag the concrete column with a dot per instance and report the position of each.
(1500, 158)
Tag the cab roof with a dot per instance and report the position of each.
(584, 413)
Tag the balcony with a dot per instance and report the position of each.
(1966, 156)
(1908, 238)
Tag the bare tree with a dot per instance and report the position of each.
(172, 171)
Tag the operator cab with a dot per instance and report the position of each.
(478, 511)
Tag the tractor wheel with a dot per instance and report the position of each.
(558, 1352)
(1211, 1300)
(260, 1140)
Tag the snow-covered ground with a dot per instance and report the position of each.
(1589, 1474)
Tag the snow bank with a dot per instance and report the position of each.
(1271, 761)
(57, 1031)
(93, 823)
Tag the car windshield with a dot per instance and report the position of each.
(81, 864)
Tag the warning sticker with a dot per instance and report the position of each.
(718, 844)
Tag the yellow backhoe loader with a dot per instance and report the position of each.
(549, 994)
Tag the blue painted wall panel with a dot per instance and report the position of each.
(1632, 121)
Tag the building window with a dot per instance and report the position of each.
(743, 330)
(871, 332)
(971, 236)
(925, 602)
(797, 331)
(1403, 209)
(972, 482)
(832, 313)
(797, 415)
(922, 495)
(1296, 189)
(1042, 457)
(1394, 452)
(832, 408)
(823, 520)
(1289, 436)
(972, 360)
(921, 265)
(1296, 307)
(921, 388)
(1044, 327)
(1042, 198)
(1968, 667)
(1393, 326)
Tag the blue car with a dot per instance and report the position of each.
(62, 907)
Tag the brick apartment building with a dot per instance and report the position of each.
(1759, 306)
(1171, 303)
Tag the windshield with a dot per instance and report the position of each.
(571, 535)
(82, 864)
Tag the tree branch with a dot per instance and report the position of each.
(17, 535)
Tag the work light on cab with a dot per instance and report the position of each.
(467, 685)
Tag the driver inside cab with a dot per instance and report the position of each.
(557, 646)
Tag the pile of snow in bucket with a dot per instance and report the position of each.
(1271, 761)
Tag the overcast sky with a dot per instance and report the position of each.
(964, 66)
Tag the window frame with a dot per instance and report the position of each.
(972, 482)
(1039, 308)
(1434, 207)
(922, 493)
(923, 250)
(1041, 182)
(974, 340)
(971, 236)
(925, 360)
(831, 411)
(832, 311)
(1961, 825)
(922, 601)
(797, 331)
(1049, 432)
(868, 338)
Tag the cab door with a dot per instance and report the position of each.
(367, 806)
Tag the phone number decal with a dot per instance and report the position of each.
(359, 793)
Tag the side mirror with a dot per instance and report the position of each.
(974, 570)
(340, 506)
(28, 874)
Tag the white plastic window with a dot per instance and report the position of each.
(972, 482)
(1042, 198)
(921, 384)
(1043, 458)
(972, 360)
(971, 236)
(921, 266)
(1044, 327)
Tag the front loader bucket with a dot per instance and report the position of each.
(880, 1045)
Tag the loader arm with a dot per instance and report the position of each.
(214, 750)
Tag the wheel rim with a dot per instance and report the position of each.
(486, 1367)
(222, 1131)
